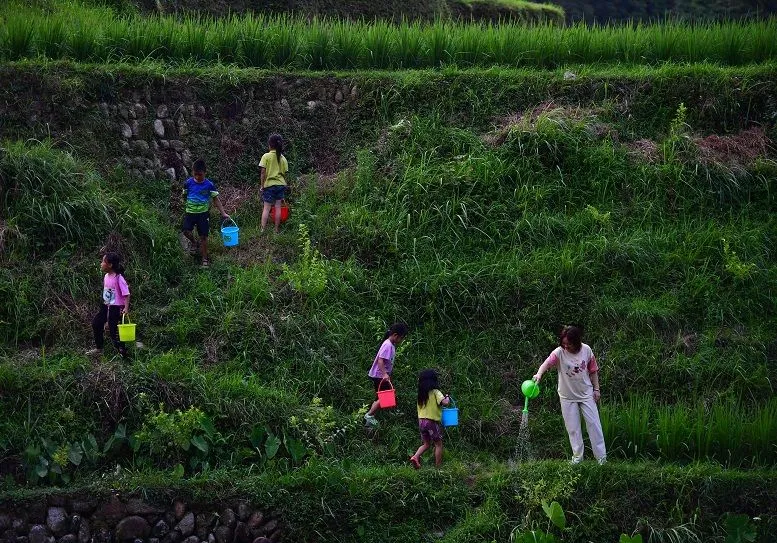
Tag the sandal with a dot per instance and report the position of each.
(205, 263)
(415, 462)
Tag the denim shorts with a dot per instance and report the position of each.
(273, 193)
(200, 220)
(431, 430)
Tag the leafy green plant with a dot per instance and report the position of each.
(733, 265)
(265, 446)
(57, 463)
(740, 529)
(319, 427)
(308, 275)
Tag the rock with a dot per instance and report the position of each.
(5, 522)
(161, 111)
(161, 529)
(19, 526)
(75, 523)
(312, 105)
(192, 539)
(170, 173)
(178, 146)
(211, 538)
(255, 520)
(338, 96)
(242, 533)
(569, 76)
(84, 532)
(125, 146)
(22, 539)
(38, 534)
(261, 540)
(140, 109)
(149, 174)
(270, 526)
(186, 157)
(68, 538)
(223, 534)
(141, 147)
(124, 112)
(132, 528)
(164, 144)
(103, 535)
(186, 526)
(354, 92)
(126, 131)
(228, 517)
(243, 512)
(276, 536)
(135, 126)
(204, 521)
(85, 507)
(285, 104)
(153, 540)
(58, 521)
(138, 541)
(201, 111)
(159, 128)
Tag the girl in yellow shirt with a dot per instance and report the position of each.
(430, 402)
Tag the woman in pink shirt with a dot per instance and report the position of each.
(116, 298)
(578, 390)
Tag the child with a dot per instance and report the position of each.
(199, 191)
(274, 167)
(116, 298)
(429, 414)
(383, 364)
(578, 389)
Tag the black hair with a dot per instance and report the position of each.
(114, 259)
(427, 381)
(276, 142)
(399, 328)
(573, 334)
(199, 165)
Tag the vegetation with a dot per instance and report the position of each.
(90, 34)
(608, 10)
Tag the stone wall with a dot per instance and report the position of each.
(59, 519)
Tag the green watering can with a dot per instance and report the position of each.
(530, 390)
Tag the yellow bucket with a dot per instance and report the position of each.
(126, 330)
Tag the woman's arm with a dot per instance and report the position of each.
(595, 382)
(551, 361)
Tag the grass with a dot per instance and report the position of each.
(84, 33)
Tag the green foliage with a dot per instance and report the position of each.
(740, 529)
(309, 275)
(56, 463)
(319, 428)
(630, 539)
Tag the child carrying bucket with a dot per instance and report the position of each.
(116, 299)
(380, 372)
(199, 191)
(578, 390)
(274, 168)
(430, 402)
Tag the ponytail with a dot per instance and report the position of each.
(276, 142)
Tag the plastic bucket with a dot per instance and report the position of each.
(126, 330)
(450, 415)
(230, 234)
(530, 389)
(387, 398)
(284, 212)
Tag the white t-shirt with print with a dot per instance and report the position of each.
(574, 369)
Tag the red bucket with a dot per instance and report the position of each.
(387, 398)
(284, 212)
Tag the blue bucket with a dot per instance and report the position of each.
(450, 415)
(230, 234)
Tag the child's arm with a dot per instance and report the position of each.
(220, 207)
(551, 361)
(382, 367)
(446, 400)
(126, 306)
(262, 177)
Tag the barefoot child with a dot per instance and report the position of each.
(578, 389)
(199, 191)
(274, 168)
(116, 298)
(430, 400)
(383, 365)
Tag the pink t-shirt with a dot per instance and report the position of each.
(574, 369)
(115, 289)
(386, 352)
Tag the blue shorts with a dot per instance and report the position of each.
(200, 220)
(273, 193)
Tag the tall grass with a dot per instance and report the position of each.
(321, 43)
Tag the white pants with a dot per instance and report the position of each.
(570, 410)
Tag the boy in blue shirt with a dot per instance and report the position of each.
(199, 191)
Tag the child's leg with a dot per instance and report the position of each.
(98, 326)
(422, 449)
(277, 216)
(187, 226)
(594, 426)
(265, 213)
(114, 315)
(204, 247)
(438, 452)
(571, 413)
(374, 407)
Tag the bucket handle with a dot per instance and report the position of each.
(125, 316)
(228, 221)
(453, 402)
(389, 382)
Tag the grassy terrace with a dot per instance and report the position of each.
(485, 207)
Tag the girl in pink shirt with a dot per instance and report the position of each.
(381, 368)
(116, 298)
(578, 390)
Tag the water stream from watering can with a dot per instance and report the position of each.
(522, 452)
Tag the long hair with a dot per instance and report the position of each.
(399, 328)
(276, 142)
(574, 335)
(427, 381)
(114, 259)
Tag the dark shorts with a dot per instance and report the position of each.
(200, 220)
(376, 384)
(431, 430)
(273, 193)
